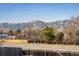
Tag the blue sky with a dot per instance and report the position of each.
(18, 13)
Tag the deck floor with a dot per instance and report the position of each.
(46, 47)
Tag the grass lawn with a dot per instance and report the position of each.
(13, 41)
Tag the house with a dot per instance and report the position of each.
(5, 36)
(11, 37)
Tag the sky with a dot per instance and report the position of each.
(47, 12)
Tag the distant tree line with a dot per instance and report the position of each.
(46, 35)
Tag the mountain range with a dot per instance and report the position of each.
(37, 24)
